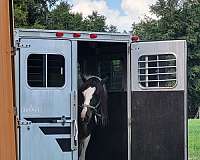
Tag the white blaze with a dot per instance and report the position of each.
(88, 93)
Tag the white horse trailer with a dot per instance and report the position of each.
(146, 95)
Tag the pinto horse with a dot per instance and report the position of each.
(92, 100)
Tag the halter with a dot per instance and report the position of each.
(93, 107)
(89, 77)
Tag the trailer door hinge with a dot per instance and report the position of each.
(15, 110)
(23, 123)
(21, 45)
(13, 51)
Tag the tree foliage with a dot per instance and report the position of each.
(32, 13)
(177, 20)
(47, 14)
(20, 13)
(60, 17)
(112, 29)
(95, 22)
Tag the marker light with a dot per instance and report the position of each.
(76, 35)
(93, 36)
(135, 38)
(59, 34)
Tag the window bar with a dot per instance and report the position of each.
(152, 74)
(166, 60)
(146, 71)
(111, 74)
(158, 71)
(164, 80)
(46, 69)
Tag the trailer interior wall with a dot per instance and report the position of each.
(108, 59)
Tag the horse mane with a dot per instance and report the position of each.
(90, 76)
(104, 108)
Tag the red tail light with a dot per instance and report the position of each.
(93, 36)
(59, 34)
(76, 35)
(135, 38)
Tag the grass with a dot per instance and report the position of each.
(194, 139)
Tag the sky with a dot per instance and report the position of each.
(121, 13)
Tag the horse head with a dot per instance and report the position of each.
(93, 100)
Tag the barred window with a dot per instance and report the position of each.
(157, 71)
(46, 70)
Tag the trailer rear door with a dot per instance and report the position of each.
(48, 128)
(158, 112)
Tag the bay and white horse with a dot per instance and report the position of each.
(92, 99)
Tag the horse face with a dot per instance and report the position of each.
(87, 94)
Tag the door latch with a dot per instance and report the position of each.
(74, 135)
(64, 120)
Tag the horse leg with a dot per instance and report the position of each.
(83, 147)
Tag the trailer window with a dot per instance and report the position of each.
(55, 71)
(36, 70)
(114, 71)
(157, 71)
(46, 70)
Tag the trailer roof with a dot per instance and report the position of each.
(72, 35)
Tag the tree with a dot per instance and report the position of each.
(20, 13)
(32, 13)
(177, 20)
(49, 15)
(112, 29)
(95, 23)
(60, 17)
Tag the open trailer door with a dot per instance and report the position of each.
(47, 112)
(158, 95)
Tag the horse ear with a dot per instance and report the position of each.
(83, 78)
(104, 80)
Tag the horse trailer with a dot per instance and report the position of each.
(146, 86)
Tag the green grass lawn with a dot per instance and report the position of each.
(194, 139)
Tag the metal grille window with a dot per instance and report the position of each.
(157, 71)
(45, 70)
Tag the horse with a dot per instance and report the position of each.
(92, 102)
